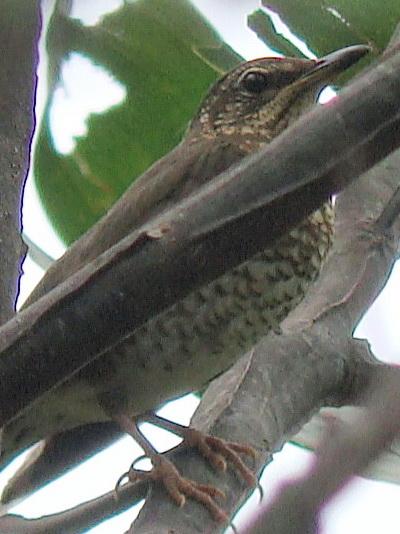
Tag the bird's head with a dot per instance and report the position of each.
(255, 101)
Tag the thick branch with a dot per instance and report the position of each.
(290, 376)
(19, 29)
(348, 136)
(312, 364)
(343, 454)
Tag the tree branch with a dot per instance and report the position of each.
(289, 377)
(19, 30)
(266, 398)
(342, 455)
(77, 519)
(312, 364)
(336, 374)
(328, 148)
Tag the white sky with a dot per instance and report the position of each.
(365, 507)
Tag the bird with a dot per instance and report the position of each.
(184, 347)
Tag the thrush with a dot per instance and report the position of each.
(199, 337)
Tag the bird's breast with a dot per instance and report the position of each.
(202, 335)
(191, 342)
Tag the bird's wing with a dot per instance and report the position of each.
(170, 179)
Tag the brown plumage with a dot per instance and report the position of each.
(204, 334)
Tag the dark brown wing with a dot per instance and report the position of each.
(170, 179)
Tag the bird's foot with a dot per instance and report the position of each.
(216, 451)
(178, 487)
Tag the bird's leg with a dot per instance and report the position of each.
(215, 450)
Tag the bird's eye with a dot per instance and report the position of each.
(254, 82)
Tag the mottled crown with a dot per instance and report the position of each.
(257, 99)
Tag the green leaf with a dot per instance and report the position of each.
(326, 26)
(166, 56)
(262, 25)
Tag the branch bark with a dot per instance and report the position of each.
(19, 29)
(314, 363)
(328, 148)
(341, 456)
(267, 397)
(310, 347)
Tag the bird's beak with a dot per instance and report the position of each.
(327, 68)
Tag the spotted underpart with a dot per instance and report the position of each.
(211, 327)
(183, 348)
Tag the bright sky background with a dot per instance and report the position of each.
(365, 507)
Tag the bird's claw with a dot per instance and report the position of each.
(218, 451)
(178, 487)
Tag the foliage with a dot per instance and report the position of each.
(165, 55)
